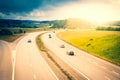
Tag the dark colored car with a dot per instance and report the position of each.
(71, 53)
(29, 41)
(53, 31)
(50, 36)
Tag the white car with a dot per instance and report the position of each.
(62, 46)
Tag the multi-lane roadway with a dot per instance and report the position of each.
(91, 67)
(22, 60)
(5, 61)
(29, 64)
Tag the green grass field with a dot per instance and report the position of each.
(104, 44)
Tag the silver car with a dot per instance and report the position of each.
(62, 46)
(29, 41)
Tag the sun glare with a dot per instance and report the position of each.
(93, 13)
(97, 13)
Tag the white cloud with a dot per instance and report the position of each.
(2, 15)
(36, 13)
(93, 10)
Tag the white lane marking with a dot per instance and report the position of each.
(115, 73)
(90, 60)
(51, 71)
(95, 63)
(49, 68)
(80, 72)
(14, 59)
(107, 78)
(103, 67)
(73, 67)
(34, 77)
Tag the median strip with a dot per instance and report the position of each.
(44, 49)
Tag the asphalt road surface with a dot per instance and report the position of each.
(29, 64)
(5, 61)
(91, 67)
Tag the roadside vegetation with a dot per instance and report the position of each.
(11, 34)
(116, 28)
(104, 44)
(10, 38)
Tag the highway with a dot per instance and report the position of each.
(91, 67)
(28, 63)
(5, 61)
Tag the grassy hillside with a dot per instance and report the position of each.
(74, 23)
(105, 44)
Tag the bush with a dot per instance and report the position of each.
(108, 28)
(6, 32)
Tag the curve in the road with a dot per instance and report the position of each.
(91, 66)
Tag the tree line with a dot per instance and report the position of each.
(108, 28)
(10, 32)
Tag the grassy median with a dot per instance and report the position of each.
(42, 47)
(104, 44)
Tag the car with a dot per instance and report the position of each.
(71, 53)
(62, 46)
(29, 41)
(50, 36)
(53, 31)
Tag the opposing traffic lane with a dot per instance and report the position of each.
(5, 61)
(85, 64)
(29, 64)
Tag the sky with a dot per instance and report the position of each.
(91, 10)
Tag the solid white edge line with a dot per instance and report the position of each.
(50, 69)
(77, 70)
(107, 78)
(14, 60)
(53, 73)
(115, 72)
(34, 77)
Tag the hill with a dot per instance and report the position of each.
(78, 23)
(71, 23)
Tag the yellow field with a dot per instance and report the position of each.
(105, 44)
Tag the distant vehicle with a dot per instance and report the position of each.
(71, 53)
(29, 41)
(62, 46)
(50, 36)
(53, 31)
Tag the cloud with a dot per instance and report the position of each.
(18, 6)
(92, 10)
(28, 9)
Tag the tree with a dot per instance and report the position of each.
(6, 32)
